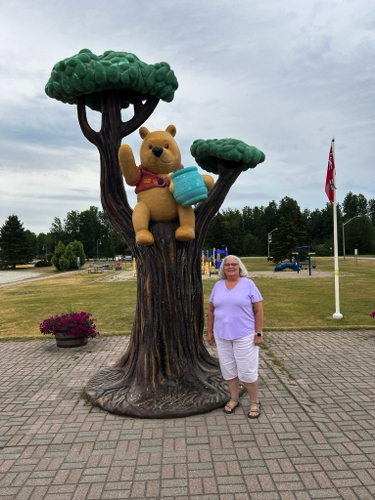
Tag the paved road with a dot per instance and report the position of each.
(10, 278)
(315, 438)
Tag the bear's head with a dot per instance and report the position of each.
(159, 152)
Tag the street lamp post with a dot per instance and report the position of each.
(270, 241)
(343, 234)
(97, 248)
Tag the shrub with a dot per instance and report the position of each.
(65, 257)
(59, 252)
(64, 264)
(43, 263)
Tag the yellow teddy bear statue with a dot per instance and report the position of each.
(155, 182)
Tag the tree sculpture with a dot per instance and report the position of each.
(166, 370)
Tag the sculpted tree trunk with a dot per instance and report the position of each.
(166, 370)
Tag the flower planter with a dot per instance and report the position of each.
(66, 339)
(70, 329)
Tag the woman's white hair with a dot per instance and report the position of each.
(241, 267)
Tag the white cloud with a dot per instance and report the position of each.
(282, 76)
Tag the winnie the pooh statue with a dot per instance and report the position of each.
(155, 186)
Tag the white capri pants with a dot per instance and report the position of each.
(238, 358)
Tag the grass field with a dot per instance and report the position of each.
(290, 303)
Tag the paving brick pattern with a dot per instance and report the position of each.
(315, 438)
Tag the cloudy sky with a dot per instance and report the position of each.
(282, 75)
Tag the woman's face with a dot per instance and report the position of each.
(231, 268)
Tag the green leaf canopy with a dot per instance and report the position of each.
(88, 74)
(208, 152)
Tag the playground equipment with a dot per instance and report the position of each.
(211, 260)
(218, 255)
(287, 265)
(296, 264)
(206, 262)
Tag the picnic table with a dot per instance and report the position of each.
(95, 268)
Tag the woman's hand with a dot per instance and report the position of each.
(210, 338)
(258, 340)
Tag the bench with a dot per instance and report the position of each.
(95, 269)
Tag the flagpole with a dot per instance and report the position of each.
(337, 314)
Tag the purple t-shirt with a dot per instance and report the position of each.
(233, 315)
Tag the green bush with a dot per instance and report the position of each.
(59, 252)
(65, 257)
(64, 264)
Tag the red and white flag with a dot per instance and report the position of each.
(329, 186)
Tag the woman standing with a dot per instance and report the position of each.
(234, 322)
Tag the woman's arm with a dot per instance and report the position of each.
(210, 323)
(258, 323)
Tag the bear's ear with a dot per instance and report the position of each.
(171, 129)
(143, 131)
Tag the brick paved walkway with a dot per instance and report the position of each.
(315, 438)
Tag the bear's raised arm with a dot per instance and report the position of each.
(127, 164)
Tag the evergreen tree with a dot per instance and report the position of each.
(94, 229)
(57, 231)
(32, 242)
(360, 235)
(16, 247)
(72, 251)
(371, 210)
(59, 252)
(65, 257)
(218, 233)
(291, 231)
(284, 240)
(354, 204)
(72, 225)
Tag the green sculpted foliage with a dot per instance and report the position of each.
(208, 152)
(88, 74)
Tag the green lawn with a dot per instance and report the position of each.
(299, 303)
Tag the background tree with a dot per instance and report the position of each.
(16, 246)
(354, 204)
(58, 254)
(271, 219)
(72, 225)
(250, 238)
(284, 241)
(32, 243)
(233, 239)
(166, 371)
(371, 210)
(89, 227)
(259, 229)
(95, 233)
(360, 235)
(72, 251)
(291, 231)
(65, 257)
(57, 232)
(45, 246)
(218, 232)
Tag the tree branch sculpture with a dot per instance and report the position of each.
(166, 370)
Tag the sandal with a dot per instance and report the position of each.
(232, 408)
(257, 409)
